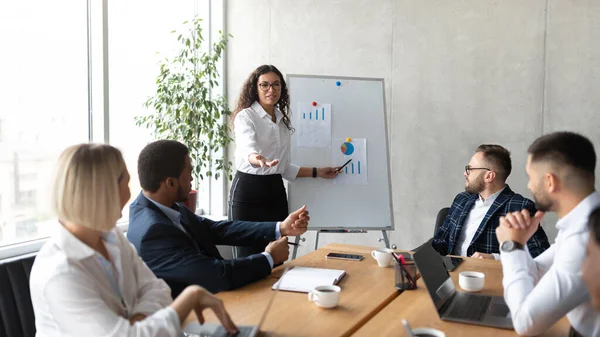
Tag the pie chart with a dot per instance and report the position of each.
(347, 148)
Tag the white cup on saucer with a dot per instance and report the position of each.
(325, 296)
(427, 332)
(471, 281)
(383, 256)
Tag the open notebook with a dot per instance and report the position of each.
(303, 279)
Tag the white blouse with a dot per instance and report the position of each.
(255, 132)
(75, 293)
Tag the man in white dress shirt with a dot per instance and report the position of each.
(591, 267)
(540, 291)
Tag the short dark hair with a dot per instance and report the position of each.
(594, 223)
(160, 160)
(498, 157)
(565, 149)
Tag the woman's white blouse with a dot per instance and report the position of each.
(255, 132)
(72, 294)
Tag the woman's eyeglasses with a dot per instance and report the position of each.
(264, 86)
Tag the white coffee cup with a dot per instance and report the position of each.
(428, 332)
(471, 281)
(325, 296)
(383, 256)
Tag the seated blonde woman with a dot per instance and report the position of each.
(88, 280)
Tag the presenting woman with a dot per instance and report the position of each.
(262, 127)
(88, 280)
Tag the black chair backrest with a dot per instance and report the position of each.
(441, 216)
(16, 311)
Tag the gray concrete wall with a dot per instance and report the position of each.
(458, 74)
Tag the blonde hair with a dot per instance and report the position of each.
(86, 186)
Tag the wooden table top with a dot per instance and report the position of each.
(417, 308)
(366, 289)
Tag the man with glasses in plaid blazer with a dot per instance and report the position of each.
(470, 227)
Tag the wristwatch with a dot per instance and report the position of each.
(509, 245)
(314, 172)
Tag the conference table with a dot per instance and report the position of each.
(417, 308)
(369, 305)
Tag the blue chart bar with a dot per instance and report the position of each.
(304, 115)
(346, 169)
(317, 114)
(323, 112)
(359, 167)
(310, 115)
(352, 168)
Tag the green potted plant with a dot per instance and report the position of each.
(184, 106)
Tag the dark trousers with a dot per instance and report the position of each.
(257, 198)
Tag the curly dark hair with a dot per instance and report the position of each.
(249, 94)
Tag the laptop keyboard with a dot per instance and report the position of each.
(471, 308)
(245, 331)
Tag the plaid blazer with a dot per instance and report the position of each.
(485, 241)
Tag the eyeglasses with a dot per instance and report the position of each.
(468, 169)
(264, 86)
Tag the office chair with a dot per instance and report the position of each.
(441, 216)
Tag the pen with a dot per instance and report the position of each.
(409, 332)
(293, 244)
(402, 262)
(343, 231)
(341, 167)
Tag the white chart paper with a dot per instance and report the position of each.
(313, 124)
(355, 173)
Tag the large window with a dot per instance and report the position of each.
(134, 52)
(57, 60)
(43, 106)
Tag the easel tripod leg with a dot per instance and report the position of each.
(386, 240)
(317, 240)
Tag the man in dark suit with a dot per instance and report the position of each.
(179, 246)
(470, 227)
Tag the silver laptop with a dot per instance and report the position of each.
(194, 329)
(454, 305)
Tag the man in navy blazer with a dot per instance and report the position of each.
(470, 227)
(179, 246)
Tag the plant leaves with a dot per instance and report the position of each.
(183, 107)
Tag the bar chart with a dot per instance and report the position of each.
(355, 172)
(315, 114)
(313, 124)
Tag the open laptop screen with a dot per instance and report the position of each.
(434, 274)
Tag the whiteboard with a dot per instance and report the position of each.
(355, 200)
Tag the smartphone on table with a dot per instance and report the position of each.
(344, 256)
(451, 262)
